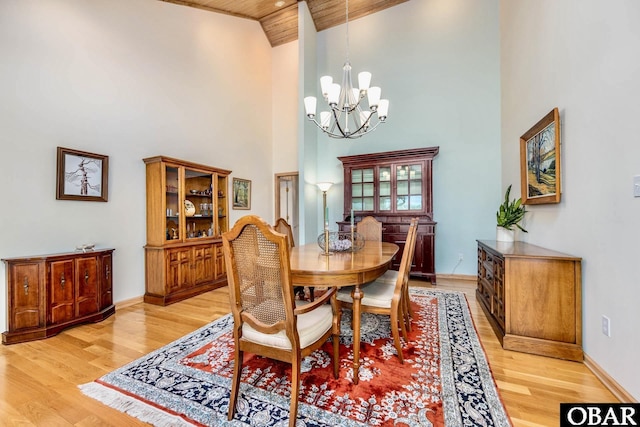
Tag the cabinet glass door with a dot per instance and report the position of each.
(223, 223)
(172, 203)
(198, 204)
(384, 194)
(409, 187)
(362, 189)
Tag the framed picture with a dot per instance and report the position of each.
(241, 193)
(540, 161)
(81, 176)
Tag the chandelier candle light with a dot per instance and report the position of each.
(347, 119)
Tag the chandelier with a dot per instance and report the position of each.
(346, 118)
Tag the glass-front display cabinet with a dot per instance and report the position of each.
(394, 187)
(187, 207)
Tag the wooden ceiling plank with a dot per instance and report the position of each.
(281, 27)
(281, 24)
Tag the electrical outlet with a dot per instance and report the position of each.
(460, 256)
(606, 326)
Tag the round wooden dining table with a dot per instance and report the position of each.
(311, 267)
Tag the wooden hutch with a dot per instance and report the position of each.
(393, 187)
(187, 207)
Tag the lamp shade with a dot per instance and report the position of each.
(310, 105)
(325, 83)
(373, 94)
(364, 80)
(383, 109)
(324, 186)
(334, 93)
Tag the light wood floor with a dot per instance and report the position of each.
(38, 380)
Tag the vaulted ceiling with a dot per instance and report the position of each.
(279, 19)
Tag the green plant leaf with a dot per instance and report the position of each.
(510, 212)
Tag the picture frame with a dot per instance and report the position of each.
(540, 166)
(241, 193)
(81, 175)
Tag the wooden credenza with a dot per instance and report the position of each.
(532, 297)
(48, 293)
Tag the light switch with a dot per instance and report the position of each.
(636, 186)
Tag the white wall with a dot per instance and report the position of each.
(285, 107)
(129, 79)
(437, 61)
(581, 56)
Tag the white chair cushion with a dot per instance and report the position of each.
(311, 326)
(376, 294)
(389, 276)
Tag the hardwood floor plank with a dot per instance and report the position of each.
(39, 379)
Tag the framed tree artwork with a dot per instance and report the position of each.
(81, 176)
(540, 161)
(241, 193)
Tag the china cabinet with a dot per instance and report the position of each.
(532, 298)
(394, 187)
(48, 293)
(187, 208)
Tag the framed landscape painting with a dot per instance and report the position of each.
(241, 193)
(540, 161)
(81, 175)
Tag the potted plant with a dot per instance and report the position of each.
(509, 215)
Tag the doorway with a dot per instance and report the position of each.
(287, 197)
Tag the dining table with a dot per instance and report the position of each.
(311, 267)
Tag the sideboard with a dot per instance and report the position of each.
(532, 297)
(48, 293)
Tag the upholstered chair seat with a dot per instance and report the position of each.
(311, 327)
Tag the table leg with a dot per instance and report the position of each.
(357, 297)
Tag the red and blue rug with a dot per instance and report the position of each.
(444, 381)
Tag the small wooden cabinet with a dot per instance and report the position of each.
(532, 297)
(49, 293)
(394, 187)
(187, 208)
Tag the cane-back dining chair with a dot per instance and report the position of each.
(370, 228)
(267, 321)
(382, 298)
(282, 226)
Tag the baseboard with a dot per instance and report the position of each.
(465, 277)
(129, 302)
(611, 384)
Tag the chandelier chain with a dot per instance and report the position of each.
(347, 15)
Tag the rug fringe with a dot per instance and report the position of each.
(132, 406)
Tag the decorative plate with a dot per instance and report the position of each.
(189, 208)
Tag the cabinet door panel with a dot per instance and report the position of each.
(87, 286)
(178, 269)
(61, 291)
(25, 307)
(204, 269)
(220, 266)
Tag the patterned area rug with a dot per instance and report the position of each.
(444, 381)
